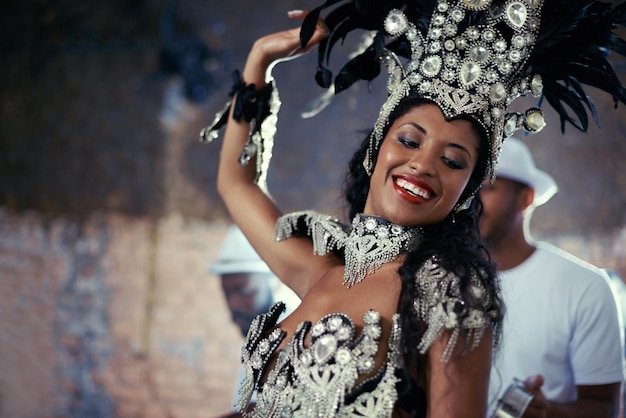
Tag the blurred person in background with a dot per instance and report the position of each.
(561, 332)
(249, 286)
(620, 289)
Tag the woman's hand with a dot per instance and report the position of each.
(278, 46)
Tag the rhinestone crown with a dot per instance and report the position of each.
(468, 70)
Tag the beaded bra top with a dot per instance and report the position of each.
(319, 380)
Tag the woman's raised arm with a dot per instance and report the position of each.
(249, 206)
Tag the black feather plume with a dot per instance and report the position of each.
(576, 40)
(364, 15)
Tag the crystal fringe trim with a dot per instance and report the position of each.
(260, 141)
(441, 305)
(371, 242)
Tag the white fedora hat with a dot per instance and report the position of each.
(516, 163)
(237, 256)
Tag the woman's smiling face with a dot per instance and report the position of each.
(423, 166)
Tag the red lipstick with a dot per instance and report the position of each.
(412, 189)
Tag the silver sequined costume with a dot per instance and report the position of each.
(318, 380)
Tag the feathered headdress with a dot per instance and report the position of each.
(471, 57)
(474, 57)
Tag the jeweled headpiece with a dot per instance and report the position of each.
(473, 58)
(467, 70)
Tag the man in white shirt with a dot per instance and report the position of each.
(561, 334)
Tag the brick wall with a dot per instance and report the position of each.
(112, 316)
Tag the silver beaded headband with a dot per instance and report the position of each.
(467, 70)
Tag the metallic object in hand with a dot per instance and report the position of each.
(514, 401)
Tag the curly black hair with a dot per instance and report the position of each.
(455, 242)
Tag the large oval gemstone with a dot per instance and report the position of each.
(479, 53)
(324, 348)
(470, 73)
(431, 65)
(516, 13)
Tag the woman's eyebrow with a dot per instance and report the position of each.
(460, 147)
(417, 126)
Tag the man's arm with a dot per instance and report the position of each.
(594, 401)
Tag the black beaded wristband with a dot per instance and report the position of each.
(250, 103)
(260, 109)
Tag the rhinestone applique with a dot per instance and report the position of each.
(257, 349)
(440, 304)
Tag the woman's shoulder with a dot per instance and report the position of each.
(435, 282)
(445, 301)
(325, 231)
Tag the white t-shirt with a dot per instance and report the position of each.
(561, 321)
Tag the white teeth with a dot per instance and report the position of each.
(411, 188)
